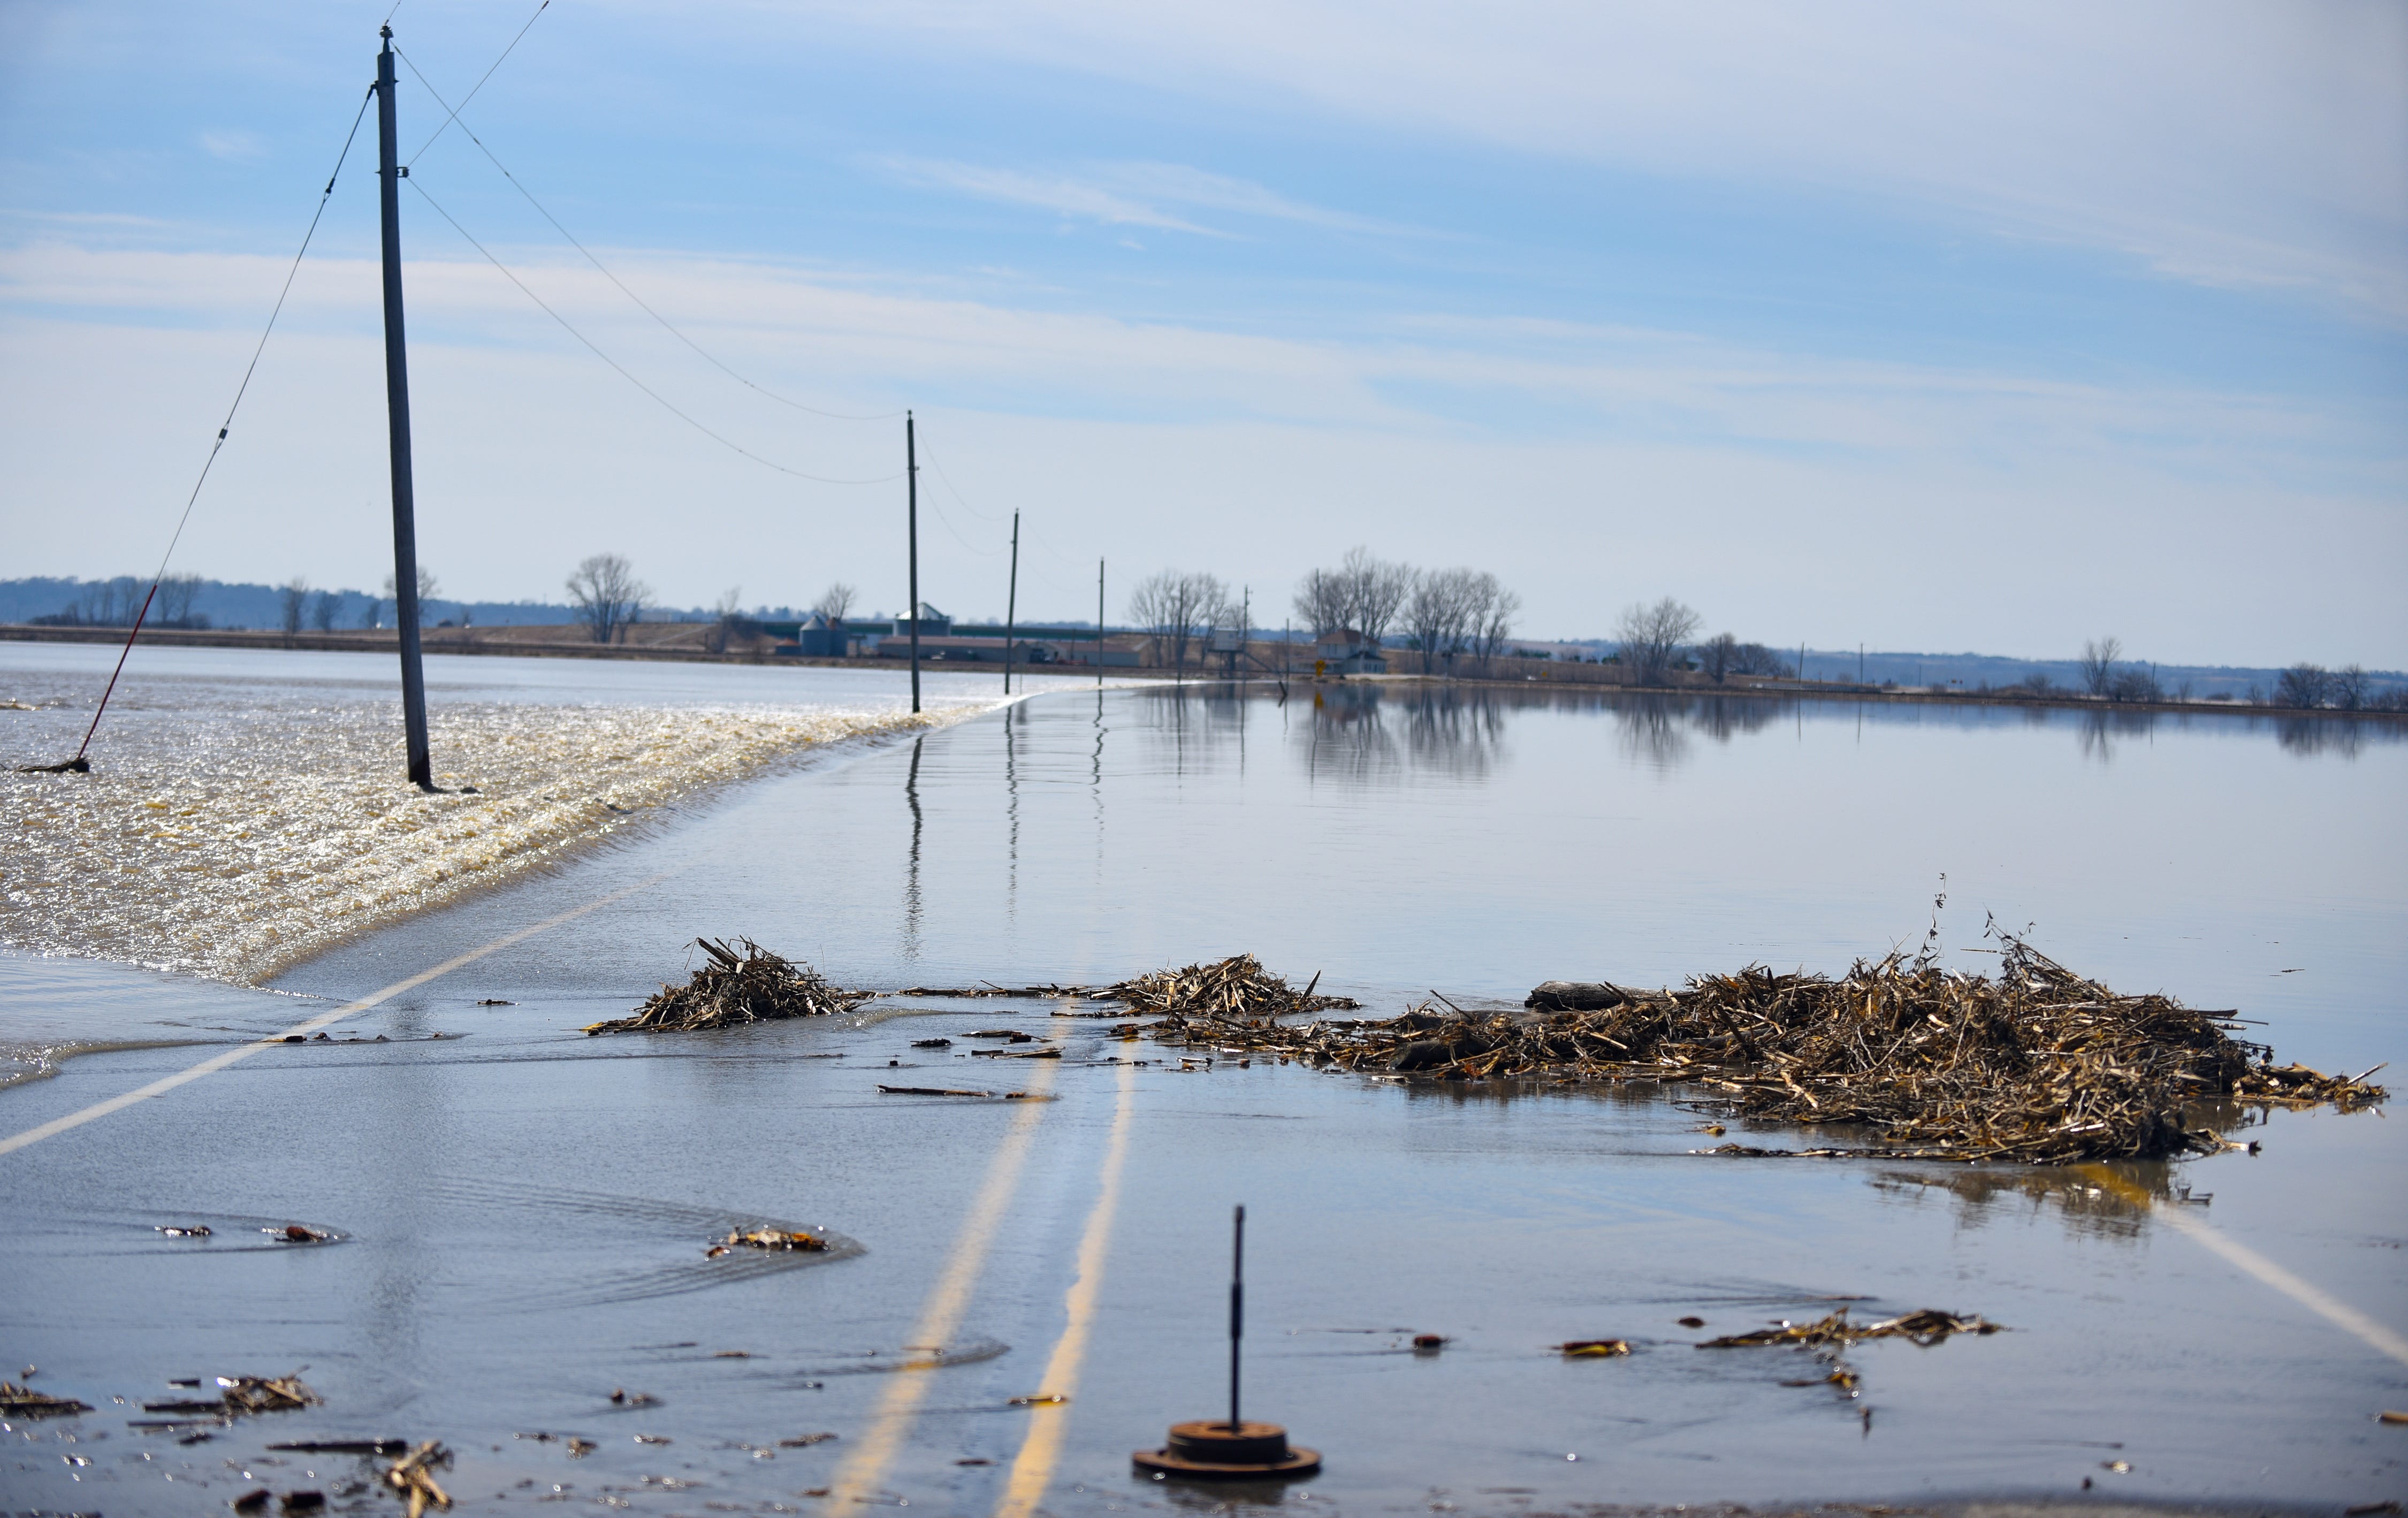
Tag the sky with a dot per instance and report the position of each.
(1988, 328)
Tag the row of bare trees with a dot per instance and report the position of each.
(1445, 613)
(1654, 639)
(2305, 687)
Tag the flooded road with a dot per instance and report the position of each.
(521, 1213)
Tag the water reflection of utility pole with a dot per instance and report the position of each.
(1012, 819)
(1096, 783)
(911, 866)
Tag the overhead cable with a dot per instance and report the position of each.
(472, 93)
(665, 403)
(671, 327)
(228, 425)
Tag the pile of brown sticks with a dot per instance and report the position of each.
(732, 989)
(1238, 990)
(2037, 1065)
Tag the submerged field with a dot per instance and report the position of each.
(231, 831)
(522, 1214)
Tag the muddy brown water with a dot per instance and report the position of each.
(523, 1212)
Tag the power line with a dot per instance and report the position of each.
(480, 78)
(226, 426)
(665, 403)
(672, 328)
(958, 495)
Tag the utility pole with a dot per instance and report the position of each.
(396, 400)
(911, 490)
(1011, 604)
(1100, 624)
(1861, 663)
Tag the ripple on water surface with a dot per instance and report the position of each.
(234, 829)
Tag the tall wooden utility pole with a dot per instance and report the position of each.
(911, 475)
(1011, 604)
(396, 400)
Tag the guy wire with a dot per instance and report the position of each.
(228, 425)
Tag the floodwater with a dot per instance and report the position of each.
(522, 1212)
(241, 814)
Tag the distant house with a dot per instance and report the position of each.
(1347, 652)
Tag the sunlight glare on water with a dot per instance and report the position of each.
(240, 817)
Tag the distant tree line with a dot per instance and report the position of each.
(2302, 687)
(115, 603)
(1444, 614)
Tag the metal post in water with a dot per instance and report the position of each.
(1237, 1308)
(1011, 604)
(912, 473)
(1100, 624)
(396, 398)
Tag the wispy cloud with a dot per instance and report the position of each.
(232, 144)
(1136, 194)
(2216, 142)
(1080, 199)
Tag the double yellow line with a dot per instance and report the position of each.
(860, 1477)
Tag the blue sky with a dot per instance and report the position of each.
(1983, 327)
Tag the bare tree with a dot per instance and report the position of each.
(606, 595)
(176, 593)
(1321, 601)
(730, 622)
(428, 586)
(1718, 655)
(1179, 607)
(1652, 637)
(1756, 659)
(1376, 590)
(1365, 592)
(2098, 663)
(2135, 684)
(292, 600)
(1490, 620)
(2304, 686)
(323, 609)
(2349, 688)
(1439, 613)
(835, 602)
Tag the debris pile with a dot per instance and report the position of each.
(1926, 1328)
(2038, 1065)
(255, 1394)
(1236, 991)
(732, 989)
(412, 1476)
(244, 1394)
(767, 1239)
(24, 1402)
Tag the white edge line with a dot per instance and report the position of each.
(218, 1062)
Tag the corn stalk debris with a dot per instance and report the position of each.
(2036, 1065)
(732, 989)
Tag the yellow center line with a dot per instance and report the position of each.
(218, 1062)
(865, 1465)
(1032, 1470)
(2315, 1299)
